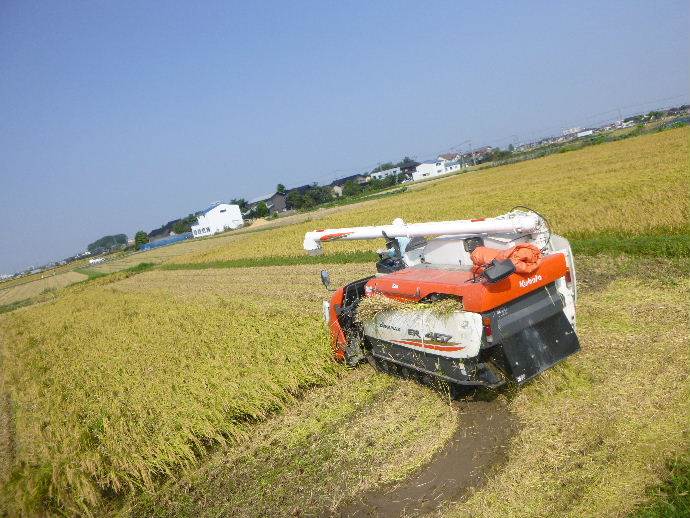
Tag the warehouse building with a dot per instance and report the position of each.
(217, 218)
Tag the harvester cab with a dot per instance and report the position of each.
(470, 302)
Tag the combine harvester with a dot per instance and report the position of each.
(509, 281)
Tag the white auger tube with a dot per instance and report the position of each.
(512, 223)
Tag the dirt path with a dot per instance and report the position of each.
(480, 443)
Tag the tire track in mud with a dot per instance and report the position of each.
(480, 443)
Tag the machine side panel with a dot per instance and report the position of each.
(338, 340)
(456, 335)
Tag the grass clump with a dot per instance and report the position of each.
(671, 498)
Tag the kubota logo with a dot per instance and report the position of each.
(531, 280)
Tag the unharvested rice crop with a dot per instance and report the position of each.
(297, 288)
(164, 253)
(115, 385)
(112, 390)
(36, 287)
(637, 185)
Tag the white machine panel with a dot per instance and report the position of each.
(456, 335)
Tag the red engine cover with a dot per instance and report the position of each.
(417, 282)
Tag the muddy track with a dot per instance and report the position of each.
(479, 444)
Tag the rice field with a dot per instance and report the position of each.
(593, 433)
(37, 276)
(213, 392)
(157, 368)
(635, 186)
(36, 287)
(597, 431)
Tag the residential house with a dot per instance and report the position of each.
(437, 167)
(408, 168)
(217, 218)
(450, 157)
(477, 155)
(380, 175)
(337, 185)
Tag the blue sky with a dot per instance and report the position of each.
(119, 116)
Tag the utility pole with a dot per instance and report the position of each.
(474, 159)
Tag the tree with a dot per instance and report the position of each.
(308, 202)
(511, 148)
(382, 167)
(140, 238)
(320, 194)
(351, 188)
(294, 200)
(280, 189)
(184, 225)
(108, 242)
(261, 210)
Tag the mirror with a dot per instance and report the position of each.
(498, 270)
(326, 279)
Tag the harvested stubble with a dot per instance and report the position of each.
(632, 186)
(36, 287)
(371, 306)
(367, 429)
(597, 430)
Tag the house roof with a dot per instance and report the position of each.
(408, 165)
(449, 156)
(343, 181)
(209, 208)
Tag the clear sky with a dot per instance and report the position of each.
(117, 116)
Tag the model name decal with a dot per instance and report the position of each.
(531, 280)
(386, 326)
(436, 337)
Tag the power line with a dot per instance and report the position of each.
(513, 138)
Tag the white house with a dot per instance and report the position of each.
(217, 218)
(380, 175)
(585, 133)
(427, 170)
(436, 168)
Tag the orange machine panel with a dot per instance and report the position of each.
(418, 282)
(338, 341)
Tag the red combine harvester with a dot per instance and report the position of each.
(513, 281)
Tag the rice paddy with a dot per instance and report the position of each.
(152, 381)
(634, 186)
(213, 392)
(35, 287)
